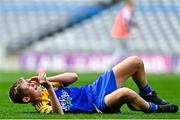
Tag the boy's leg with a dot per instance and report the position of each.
(134, 66)
(121, 96)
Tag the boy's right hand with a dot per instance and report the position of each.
(34, 79)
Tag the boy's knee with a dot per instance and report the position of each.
(137, 61)
(127, 93)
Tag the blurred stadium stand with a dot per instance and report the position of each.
(25, 22)
(159, 27)
(63, 26)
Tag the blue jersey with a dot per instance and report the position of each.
(86, 99)
(76, 100)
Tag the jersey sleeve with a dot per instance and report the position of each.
(43, 108)
(57, 84)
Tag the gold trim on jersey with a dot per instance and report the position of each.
(44, 105)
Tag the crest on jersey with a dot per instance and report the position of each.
(65, 101)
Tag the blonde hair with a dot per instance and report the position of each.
(16, 93)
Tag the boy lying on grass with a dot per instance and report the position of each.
(104, 95)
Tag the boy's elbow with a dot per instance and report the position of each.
(75, 76)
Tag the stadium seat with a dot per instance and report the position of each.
(44, 24)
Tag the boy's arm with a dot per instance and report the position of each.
(56, 107)
(66, 78)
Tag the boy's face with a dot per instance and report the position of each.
(32, 89)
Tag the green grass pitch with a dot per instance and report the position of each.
(167, 87)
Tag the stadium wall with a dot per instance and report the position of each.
(94, 62)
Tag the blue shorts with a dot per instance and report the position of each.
(104, 85)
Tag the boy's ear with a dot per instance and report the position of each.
(26, 99)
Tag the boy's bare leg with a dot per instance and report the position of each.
(121, 96)
(132, 66)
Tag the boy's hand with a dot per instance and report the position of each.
(43, 81)
(34, 79)
(42, 78)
